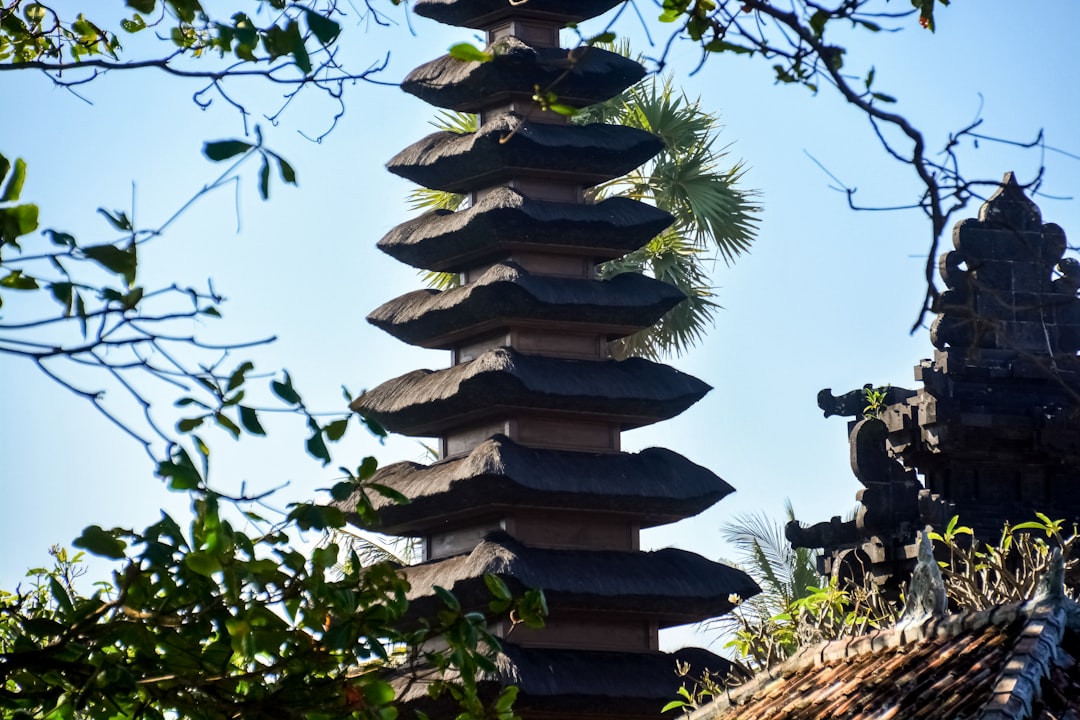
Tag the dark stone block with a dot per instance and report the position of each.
(993, 277)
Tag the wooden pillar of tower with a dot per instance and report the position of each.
(532, 485)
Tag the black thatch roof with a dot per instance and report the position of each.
(507, 295)
(582, 76)
(671, 586)
(634, 392)
(505, 220)
(508, 146)
(481, 14)
(577, 682)
(656, 484)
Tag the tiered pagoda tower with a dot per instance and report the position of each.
(532, 485)
(993, 435)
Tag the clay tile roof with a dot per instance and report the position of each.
(1011, 662)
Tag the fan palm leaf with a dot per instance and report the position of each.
(713, 216)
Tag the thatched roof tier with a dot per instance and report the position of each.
(579, 77)
(508, 146)
(656, 485)
(506, 295)
(577, 683)
(633, 392)
(670, 586)
(482, 14)
(505, 221)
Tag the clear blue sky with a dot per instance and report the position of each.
(825, 299)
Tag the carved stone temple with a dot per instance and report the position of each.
(993, 434)
(532, 485)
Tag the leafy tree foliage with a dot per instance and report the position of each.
(790, 616)
(804, 42)
(213, 622)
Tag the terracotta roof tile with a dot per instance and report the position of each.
(1010, 662)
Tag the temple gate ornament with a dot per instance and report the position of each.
(993, 434)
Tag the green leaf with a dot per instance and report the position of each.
(288, 174)
(238, 375)
(367, 468)
(15, 280)
(188, 424)
(203, 563)
(605, 37)
(447, 598)
(120, 220)
(497, 587)
(466, 52)
(101, 542)
(143, 6)
(285, 391)
(882, 97)
(299, 52)
(17, 221)
(133, 24)
(250, 420)
(818, 20)
(121, 262)
(62, 292)
(224, 421)
(316, 447)
(506, 699)
(15, 183)
(379, 692)
(61, 238)
(225, 149)
(342, 490)
(264, 179)
(673, 705)
(389, 493)
(322, 27)
(336, 430)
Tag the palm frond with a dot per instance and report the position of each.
(456, 122)
(671, 258)
(428, 199)
(372, 548)
(441, 280)
(784, 572)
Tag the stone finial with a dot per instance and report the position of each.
(926, 591)
(1052, 583)
(1009, 207)
(1004, 292)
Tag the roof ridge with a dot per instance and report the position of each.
(1031, 658)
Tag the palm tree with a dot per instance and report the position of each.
(688, 178)
(766, 629)
(785, 574)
